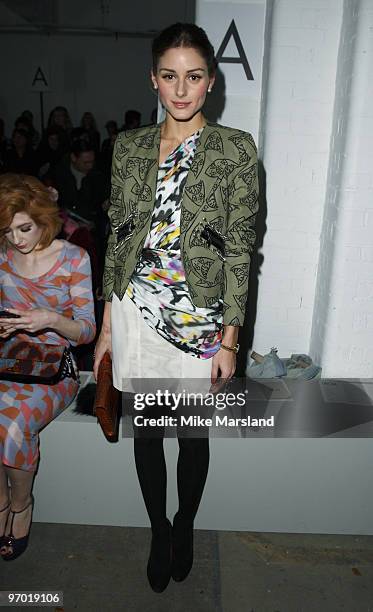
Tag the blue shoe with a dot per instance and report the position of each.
(18, 545)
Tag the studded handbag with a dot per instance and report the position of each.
(35, 363)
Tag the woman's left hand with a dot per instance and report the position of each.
(223, 366)
(31, 321)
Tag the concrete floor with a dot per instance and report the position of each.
(104, 569)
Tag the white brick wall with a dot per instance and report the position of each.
(342, 334)
(316, 136)
(296, 124)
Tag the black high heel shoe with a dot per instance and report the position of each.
(18, 545)
(182, 549)
(2, 537)
(159, 564)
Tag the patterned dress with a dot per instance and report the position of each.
(24, 408)
(158, 287)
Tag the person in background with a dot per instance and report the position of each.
(88, 123)
(82, 188)
(60, 118)
(112, 130)
(4, 143)
(22, 123)
(49, 152)
(35, 136)
(20, 158)
(108, 147)
(132, 120)
(47, 283)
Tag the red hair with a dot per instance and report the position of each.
(20, 193)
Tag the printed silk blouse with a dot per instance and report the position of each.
(158, 286)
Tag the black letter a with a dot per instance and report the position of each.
(242, 59)
(39, 76)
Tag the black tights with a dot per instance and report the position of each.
(192, 468)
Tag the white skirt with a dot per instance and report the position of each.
(139, 352)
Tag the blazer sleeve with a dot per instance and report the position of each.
(114, 213)
(243, 191)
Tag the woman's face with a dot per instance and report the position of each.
(53, 141)
(23, 234)
(19, 140)
(182, 80)
(59, 118)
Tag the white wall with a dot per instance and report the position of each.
(342, 333)
(315, 286)
(297, 115)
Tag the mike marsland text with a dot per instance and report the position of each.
(198, 421)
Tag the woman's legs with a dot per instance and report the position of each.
(4, 499)
(21, 482)
(192, 469)
(152, 475)
(4, 490)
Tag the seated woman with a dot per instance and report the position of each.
(46, 283)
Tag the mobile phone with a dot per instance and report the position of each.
(4, 314)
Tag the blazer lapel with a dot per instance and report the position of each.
(197, 188)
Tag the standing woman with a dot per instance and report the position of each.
(183, 205)
(46, 284)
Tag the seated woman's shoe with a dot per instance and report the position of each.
(182, 549)
(18, 545)
(159, 564)
(6, 511)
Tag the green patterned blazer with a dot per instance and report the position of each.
(218, 212)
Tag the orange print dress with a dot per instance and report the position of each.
(25, 408)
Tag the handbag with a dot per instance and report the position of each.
(106, 405)
(35, 362)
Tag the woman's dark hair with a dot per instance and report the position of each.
(81, 144)
(22, 132)
(88, 116)
(184, 35)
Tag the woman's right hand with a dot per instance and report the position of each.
(103, 344)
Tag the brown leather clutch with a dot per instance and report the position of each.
(106, 406)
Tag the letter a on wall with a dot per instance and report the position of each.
(232, 32)
(40, 78)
